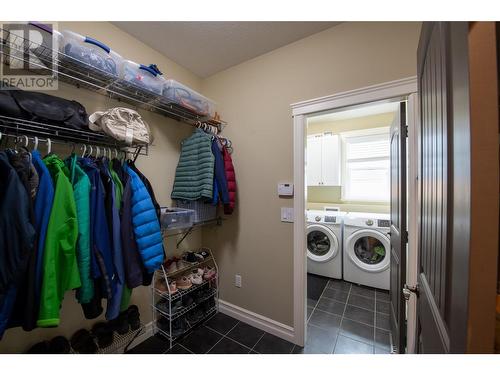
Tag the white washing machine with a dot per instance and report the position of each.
(324, 243)
(367, 249)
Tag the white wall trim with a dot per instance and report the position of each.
(384, 91)
(367, 94)
(258, 321)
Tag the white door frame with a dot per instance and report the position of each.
(300, 112)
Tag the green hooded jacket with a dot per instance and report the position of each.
(81, 191)
(60, 268)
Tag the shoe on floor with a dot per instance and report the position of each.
(120, 324)
(133, 317)
(104, 334)
(82, 342)
(42, 347)
(183, 283)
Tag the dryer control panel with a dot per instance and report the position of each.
(384, 223)
(330, 219)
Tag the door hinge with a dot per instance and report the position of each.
(405, 236)
(408, 290)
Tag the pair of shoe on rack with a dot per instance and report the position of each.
(175, 264)
(179, 326)
(196, 277)
(176, 306)
(197, 314)
(196, 256)
(161, 285)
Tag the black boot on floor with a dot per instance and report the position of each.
(104, 334)
(59, 345)
(134, 317)
(82, 342)
(120, 324)
(39, 348)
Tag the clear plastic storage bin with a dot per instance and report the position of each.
(175, 92)
(175, 218)
(91, 52)
(202, 211)
(146, 77)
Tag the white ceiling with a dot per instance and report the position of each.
(366, 110)
(206, 48)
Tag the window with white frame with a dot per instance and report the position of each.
(365, 165)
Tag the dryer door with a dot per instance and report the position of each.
(322, 243)
(369, 250)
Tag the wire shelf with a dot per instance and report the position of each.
(183, 310)
(43, 131)
(77, 73)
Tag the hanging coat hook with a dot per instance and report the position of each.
(36, 143)
(97, 152)
(91, 150)
(26, 141)
(84, 148)
(49, 146)
(116, 153)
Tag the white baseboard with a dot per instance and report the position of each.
(258, 321)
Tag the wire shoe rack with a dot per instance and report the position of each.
(169, 306)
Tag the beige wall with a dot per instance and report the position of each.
(255, 97)
(159, 167)
(320, 196)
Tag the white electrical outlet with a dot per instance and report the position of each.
(237, 281)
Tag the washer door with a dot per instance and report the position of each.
(322, 243)
(369, 250)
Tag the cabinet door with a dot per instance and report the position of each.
(313, 162)
(330, 160)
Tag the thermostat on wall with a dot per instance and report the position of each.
(285, 189)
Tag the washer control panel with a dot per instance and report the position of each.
(369, 222)
(384, 223)
(330, 219)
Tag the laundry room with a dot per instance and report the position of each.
(348, 193)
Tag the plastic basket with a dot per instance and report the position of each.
(202, 211)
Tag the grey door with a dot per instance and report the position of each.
(444, 176)
(398, 229)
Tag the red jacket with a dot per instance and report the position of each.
(231, 181)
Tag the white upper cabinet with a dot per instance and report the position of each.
(323, 160)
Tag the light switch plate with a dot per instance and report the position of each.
(287, 214)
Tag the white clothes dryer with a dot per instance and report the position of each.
(324, 243)
(367, 249)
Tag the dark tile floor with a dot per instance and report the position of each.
(343, 318)
(346, 318)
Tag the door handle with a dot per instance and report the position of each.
(408, 290)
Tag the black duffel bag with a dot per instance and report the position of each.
(36, 106)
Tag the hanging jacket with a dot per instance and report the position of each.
(219, 175)
(99, 232)
(59, 260)
(146, 225)
(17, 236)
(42, 208)
(25, 311)
(231, 181)
(195, 171)
(148, 186)
(113, 308)
(81, 192)
(134, 269)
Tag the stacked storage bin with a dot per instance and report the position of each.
(91, 52)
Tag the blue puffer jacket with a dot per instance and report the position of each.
(145, 222)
